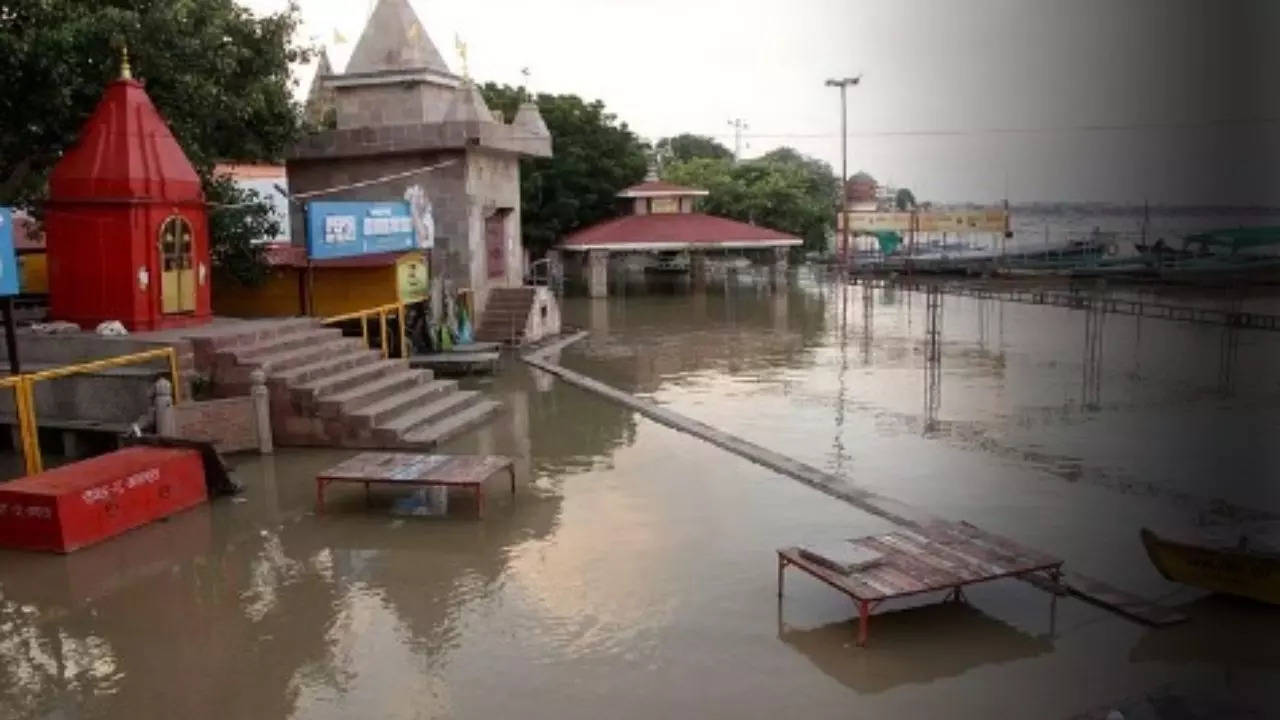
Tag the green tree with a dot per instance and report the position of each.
(783, 189)
(685, 147)
(904, 200)
(595, 157)
(218, 74)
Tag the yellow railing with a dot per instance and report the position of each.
(382, 311)
(24, 394)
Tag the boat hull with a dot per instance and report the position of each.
(1229, 571)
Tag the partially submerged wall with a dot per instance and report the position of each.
(115, 396)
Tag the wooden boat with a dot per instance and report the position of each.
(1248, 567)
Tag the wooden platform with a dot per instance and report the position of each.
(915, 563)
(412, 469)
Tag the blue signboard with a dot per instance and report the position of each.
(348, 229)
(8, 261)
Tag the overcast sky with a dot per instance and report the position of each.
(960, 99)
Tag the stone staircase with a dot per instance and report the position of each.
(506, 315)
(330, 390)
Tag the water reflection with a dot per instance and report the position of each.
(255, 607)
(903, 647)
(1046, 387)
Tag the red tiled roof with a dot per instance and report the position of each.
(658, 187)
(675, 231)
(250, 171)
(286, 255)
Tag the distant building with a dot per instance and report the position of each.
(272, 185)
(861, 191)
(403, 119)
(659, 218)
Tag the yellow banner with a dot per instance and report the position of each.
(960, 221)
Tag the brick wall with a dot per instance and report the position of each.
(230, 424)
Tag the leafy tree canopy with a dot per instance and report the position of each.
(783, 189)
(905, 199)
(218, 74)
(595, 157)
(687, 147)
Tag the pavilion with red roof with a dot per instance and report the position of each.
(662, 219)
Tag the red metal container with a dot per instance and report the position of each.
(83, 503)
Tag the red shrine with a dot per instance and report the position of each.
(125, 225)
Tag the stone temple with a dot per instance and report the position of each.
(401, 115)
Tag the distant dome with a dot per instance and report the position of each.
(861, 188)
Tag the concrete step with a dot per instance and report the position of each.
(508, 303)
(279, 343)
(402, 403)
(277, 362)
(370, 390)
(391, 430)
(428, 436)
(328, 385)
(504, 318)
(505, 293)
(329, 366)
(260, 331)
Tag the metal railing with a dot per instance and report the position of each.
(382, 311)
(24, 394)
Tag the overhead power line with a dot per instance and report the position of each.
(1062, 129)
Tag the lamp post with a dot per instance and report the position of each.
(844, 84)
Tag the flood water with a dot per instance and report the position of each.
(633, 574)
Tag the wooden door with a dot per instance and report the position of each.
(177, 267)
(495, 242)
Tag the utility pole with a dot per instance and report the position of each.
(844, 84)
(738, 125)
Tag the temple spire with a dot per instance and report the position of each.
(126, 72)
(394, 39)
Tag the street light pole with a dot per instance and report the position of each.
(844, 84)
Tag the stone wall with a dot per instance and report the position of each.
(462, 196)
(446, 187)
(373, 105)
(493, 182)
(233, 424)
(112, 396)
(229, 423)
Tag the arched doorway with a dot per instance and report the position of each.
(177, 267)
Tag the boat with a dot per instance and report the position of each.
(1245, 564)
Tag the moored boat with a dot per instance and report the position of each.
(1248, 567)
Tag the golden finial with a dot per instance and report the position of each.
(126, 73)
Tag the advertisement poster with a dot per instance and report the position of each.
(351, 229)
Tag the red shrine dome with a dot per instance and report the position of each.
(125, 150)
(126, 230)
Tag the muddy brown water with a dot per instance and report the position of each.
(633, 575)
